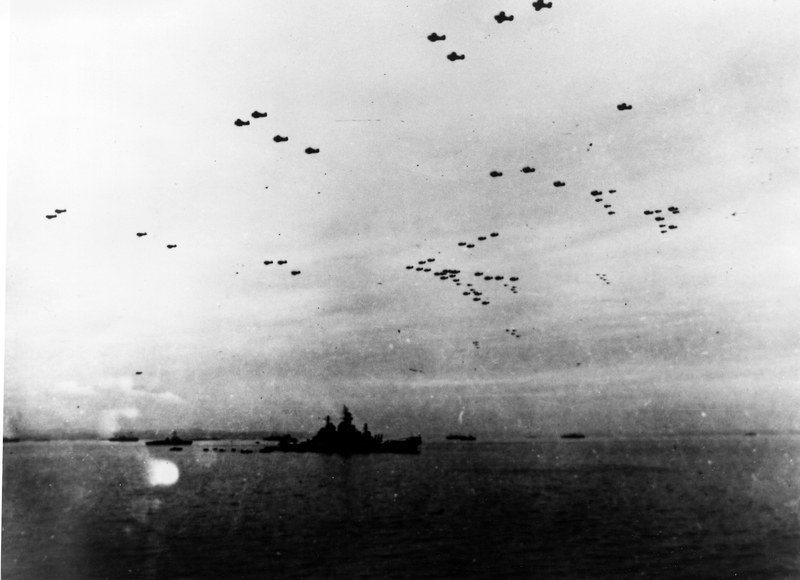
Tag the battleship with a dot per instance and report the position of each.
(124, 439)
(573, 436)
(457, 437)
(278, 437)
(346, 439)
(173, 440)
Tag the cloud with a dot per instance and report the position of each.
(73, 388)
(113, 389)
(109, 406)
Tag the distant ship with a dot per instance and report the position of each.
(124, 439)
(457, 437)
(10, 439)
(173, 439)
(346, 439)
(277, 437)
(573, 436)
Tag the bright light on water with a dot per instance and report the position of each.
(162, 472)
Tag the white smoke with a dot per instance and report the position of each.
(110, 420)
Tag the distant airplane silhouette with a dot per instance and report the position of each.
(539, 4)
(527, 169)
(51, 216)
(140, 234)
(138, 372)
(65, 211)
(503, 18)
(494, 234)
(257, 115)
(311, 151)
(559, 183)
(240, 123)
(495, 174)
(281, 262)
(454, 57)
(295, 272)
(624, 107)
(268, 262)
(433, 37)
(170, 246)
(279, 139)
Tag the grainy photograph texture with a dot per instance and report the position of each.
(402, 290)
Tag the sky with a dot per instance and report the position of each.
(123, 114)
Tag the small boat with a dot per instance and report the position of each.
(176, 448)
(457, 437)
(124, 439)
(573, 436)
(173, 439)
(750, 434)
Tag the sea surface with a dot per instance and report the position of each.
(671, 507)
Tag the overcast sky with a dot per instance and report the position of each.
(123, 114)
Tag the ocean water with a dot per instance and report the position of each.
(673, 507)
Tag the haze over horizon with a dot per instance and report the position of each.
(123, 114)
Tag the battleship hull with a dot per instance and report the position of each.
(409, 445)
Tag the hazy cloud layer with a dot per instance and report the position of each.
(124, 115)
